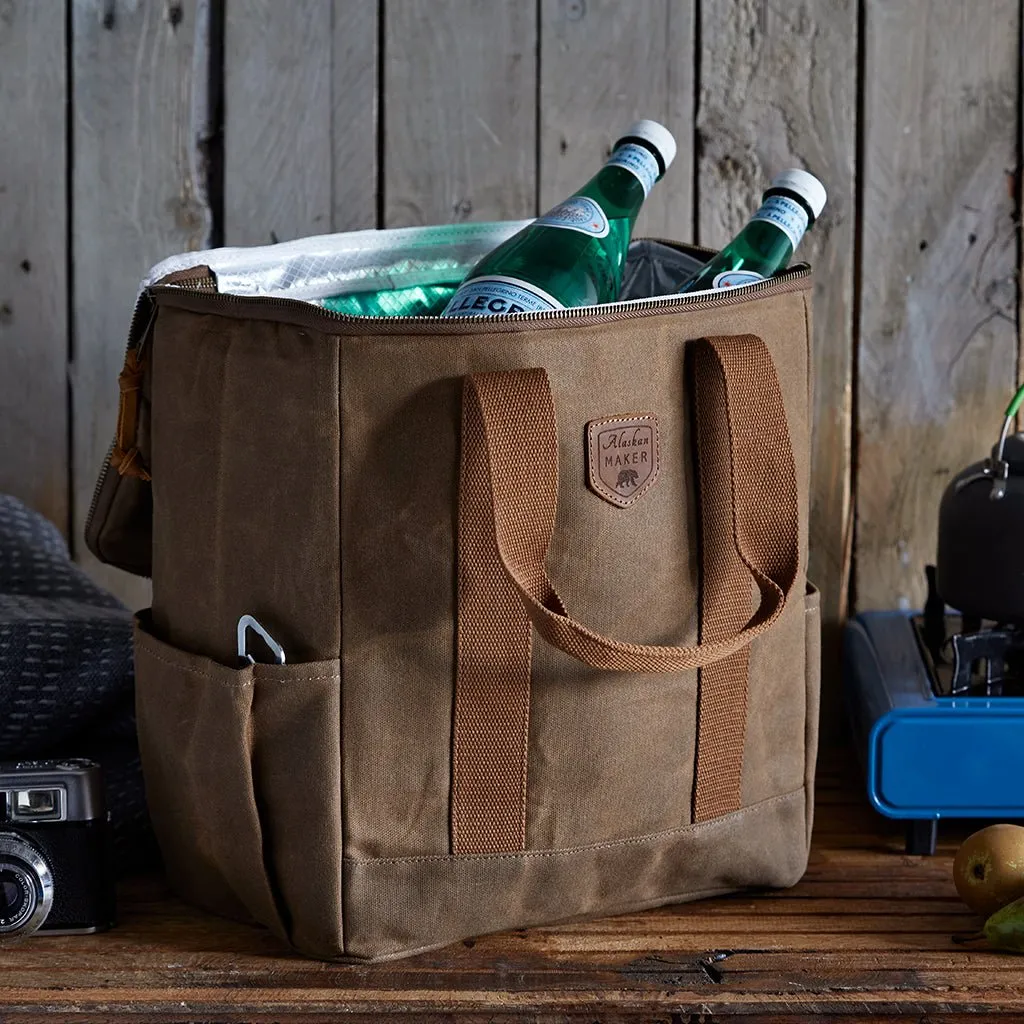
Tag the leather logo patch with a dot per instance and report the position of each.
(622, 457)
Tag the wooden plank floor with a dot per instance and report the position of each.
(866, 935)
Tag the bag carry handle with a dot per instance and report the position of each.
(749, 526)
(507, 413)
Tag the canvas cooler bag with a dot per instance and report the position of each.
(539, 580)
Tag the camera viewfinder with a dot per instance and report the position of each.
(37, 805)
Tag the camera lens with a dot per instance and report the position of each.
(9, 889)
(26, 886)
(17, 897)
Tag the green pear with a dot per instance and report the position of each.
(1005, 928)
(989, 868)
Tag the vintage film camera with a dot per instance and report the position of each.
(56, 872)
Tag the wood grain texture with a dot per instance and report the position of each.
(605, 64)
(866, 936)
(139, 194)
(938, 342)
(300, 139)
(354, 114)
(778, 89)
(33, 258)
(460, 128)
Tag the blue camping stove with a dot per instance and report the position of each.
(936, 702)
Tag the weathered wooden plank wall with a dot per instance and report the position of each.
(938, 340)
(33, 260)
(459, 103)
(300, 93)
(193, 122)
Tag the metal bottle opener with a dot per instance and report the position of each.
(249, 622)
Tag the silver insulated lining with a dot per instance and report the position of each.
(357, 261)
(322, 266)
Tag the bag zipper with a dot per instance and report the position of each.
(206, 284)
(311, 315)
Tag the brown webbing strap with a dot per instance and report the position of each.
(725, 601)
(507, 508)
(492, 687)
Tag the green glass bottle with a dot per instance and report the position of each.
(574, 254)
(765, 246)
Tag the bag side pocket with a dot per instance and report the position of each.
(195, 737)
(812, 614)
(243, 780)
(296, 767)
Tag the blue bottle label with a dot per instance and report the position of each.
(640, 161)
(735, 278)
(578, 213)
(784, 213)
(497, 295)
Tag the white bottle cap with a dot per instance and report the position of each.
(805, 185)
(657, 135)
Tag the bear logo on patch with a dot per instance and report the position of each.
(627, 479)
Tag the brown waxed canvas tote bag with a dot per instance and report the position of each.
(540, 581)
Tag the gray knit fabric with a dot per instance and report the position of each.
(66, 682)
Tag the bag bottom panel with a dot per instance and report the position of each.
(399, 906)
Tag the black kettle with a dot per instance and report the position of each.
(980, 561)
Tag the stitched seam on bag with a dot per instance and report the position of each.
(241, 683)
(808, 353)
(343, 823)
(691, 829)
(179, 667)
(285, 678)
(809, 610)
